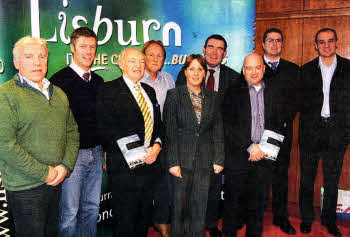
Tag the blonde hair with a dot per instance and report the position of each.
(27, 40)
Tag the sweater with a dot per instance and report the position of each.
(34, 133)
(82, 101)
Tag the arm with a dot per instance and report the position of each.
(12, 154)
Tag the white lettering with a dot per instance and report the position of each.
(98, 22)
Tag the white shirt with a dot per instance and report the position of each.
(267, 61)
(79, 71)
(216, 76)
(131, 85)
(46, 84)
(327, 74)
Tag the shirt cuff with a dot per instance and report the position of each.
(250, 147)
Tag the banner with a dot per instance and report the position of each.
(182, 25)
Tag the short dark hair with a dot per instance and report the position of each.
(158, 42)
(325, 30)
(217, 37)
(82, 31)
(197, 57)
(272, 30)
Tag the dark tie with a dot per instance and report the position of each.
(86, 76)
(211, 80)
(273, 65)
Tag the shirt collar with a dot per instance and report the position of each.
(78, 69)
(267, 60)
(217, 68)
(130, 82)
(257, 88)
(322, 65)
(46, 83)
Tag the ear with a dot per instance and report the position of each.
(316, 47)
(16, 63)
(72, 48)
(204, 50)
(224, 55)
(263, 69)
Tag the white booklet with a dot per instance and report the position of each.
(132, 150)
(270, 144)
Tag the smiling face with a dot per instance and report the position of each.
(253, 69)
(194, 74)
(154, 58)
(31, 61)
(133, 64)
(326, 44)
(214, 52)
(271, 47)
(84, 51)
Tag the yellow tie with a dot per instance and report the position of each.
(146, 115)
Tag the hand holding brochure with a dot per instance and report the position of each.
(132, 150)
(270, 144)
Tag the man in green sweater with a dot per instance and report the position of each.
(39, 141)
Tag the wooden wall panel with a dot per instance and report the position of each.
(311, 25)
(321, 4)
(278, 6)
(292, 32)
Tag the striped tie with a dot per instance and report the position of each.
(146, 115)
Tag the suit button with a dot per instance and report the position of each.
(197, 134)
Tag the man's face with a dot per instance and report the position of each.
(215, 52)
(271, 47)
(253, 69)
(84, 51)
(154, 58)
(31, 62)
(326, 44)
(133, 65)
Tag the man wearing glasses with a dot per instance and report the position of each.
(281, 76)
(324, 128)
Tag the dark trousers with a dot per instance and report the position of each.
(332, 158)
(161, 207)
(214, 201)
(35, 211)
(252, 184)
(280, 185)
(131, 204)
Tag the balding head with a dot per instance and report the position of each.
(253, 69)
(132, 63)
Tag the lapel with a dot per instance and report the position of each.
(130, 100)
(205, 106)
(222, 80)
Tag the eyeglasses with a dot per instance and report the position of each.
(269, 40)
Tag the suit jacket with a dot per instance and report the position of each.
(312, 101)
(185, 139)
(237, 120)
(285, 80)
(226, 78)
(118, 116)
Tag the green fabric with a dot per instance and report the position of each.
(34, 133)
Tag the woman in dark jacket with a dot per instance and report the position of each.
(194, 145)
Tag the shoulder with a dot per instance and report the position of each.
(96, 77)
(66, 72)
(229, 71)
(289, 64)
(310, 65)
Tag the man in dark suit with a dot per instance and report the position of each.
(284, 76)
(324, 128)
(219, 78)
(249, 108)
(127, 107)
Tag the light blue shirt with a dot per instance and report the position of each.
(161, 85)
(327, 74)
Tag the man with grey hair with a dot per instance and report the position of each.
(39, 141)
(127, 107)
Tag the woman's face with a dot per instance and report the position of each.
(194, 74)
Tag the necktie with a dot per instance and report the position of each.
(146, 115)
(273, 65)
(211, 80)
(86, 76)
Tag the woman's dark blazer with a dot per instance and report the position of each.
(185, 138)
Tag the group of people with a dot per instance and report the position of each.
(57, 134)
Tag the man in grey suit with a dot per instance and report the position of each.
(219, 77)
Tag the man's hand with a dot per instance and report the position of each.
(51, 175)
(61, 174)
(104, 166)
(217, 168)
(256, 153)
(152, 153)
(176, 171)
